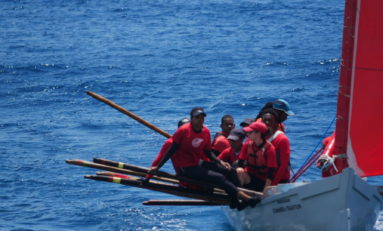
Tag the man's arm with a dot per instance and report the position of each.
(214, 159)
(173, 148)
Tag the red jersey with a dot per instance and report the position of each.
(228, 155)
(192, 146)
(259, 160)
(221, 142)
(282, 149)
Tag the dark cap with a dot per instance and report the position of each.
(183, 121)
(246, 122)
(197, 111)
(236, 134)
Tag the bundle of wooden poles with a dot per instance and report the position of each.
(131, 175)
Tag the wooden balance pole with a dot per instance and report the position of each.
(128, 113)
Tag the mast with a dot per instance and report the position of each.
(344, 90)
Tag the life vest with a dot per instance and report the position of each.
(271, 138)
(257, 162)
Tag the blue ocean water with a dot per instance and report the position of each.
(158, 59)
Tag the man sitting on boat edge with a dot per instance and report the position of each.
(165, 147)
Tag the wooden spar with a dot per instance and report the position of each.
(113, 174)
(165, 174)
(118, 170)
(126, 166)
(128, 113)
(159, 174)
(114, 170)
(165, 188)
(179, 202)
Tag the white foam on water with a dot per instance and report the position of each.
(379, 222)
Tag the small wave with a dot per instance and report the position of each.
(322, 75)
(43, 67)
(298, 89)
(329, 61)
(275, 64)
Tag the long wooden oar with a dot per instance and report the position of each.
(216, 190)
(118, 170)
(179, 202)
(113, 174)
(114, 170)
(165, 188)
(164, 174)
(128, 113)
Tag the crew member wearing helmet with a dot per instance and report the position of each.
(281, 144)
(257, 161)
(283, 109)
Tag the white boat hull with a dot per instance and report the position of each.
(341, 203)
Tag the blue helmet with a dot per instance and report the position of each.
(283, 105)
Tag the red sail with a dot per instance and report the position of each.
(359, 131)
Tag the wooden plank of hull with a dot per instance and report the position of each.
(341, 202)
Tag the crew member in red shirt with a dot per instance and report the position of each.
(165, 148)
(281, 144)
(283, 110)
(231, 154)
(191, 142)
(220, 141)
(257, 161)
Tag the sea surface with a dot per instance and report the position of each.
(158, 59)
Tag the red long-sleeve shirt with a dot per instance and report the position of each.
(282, 148)
(164, 149)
